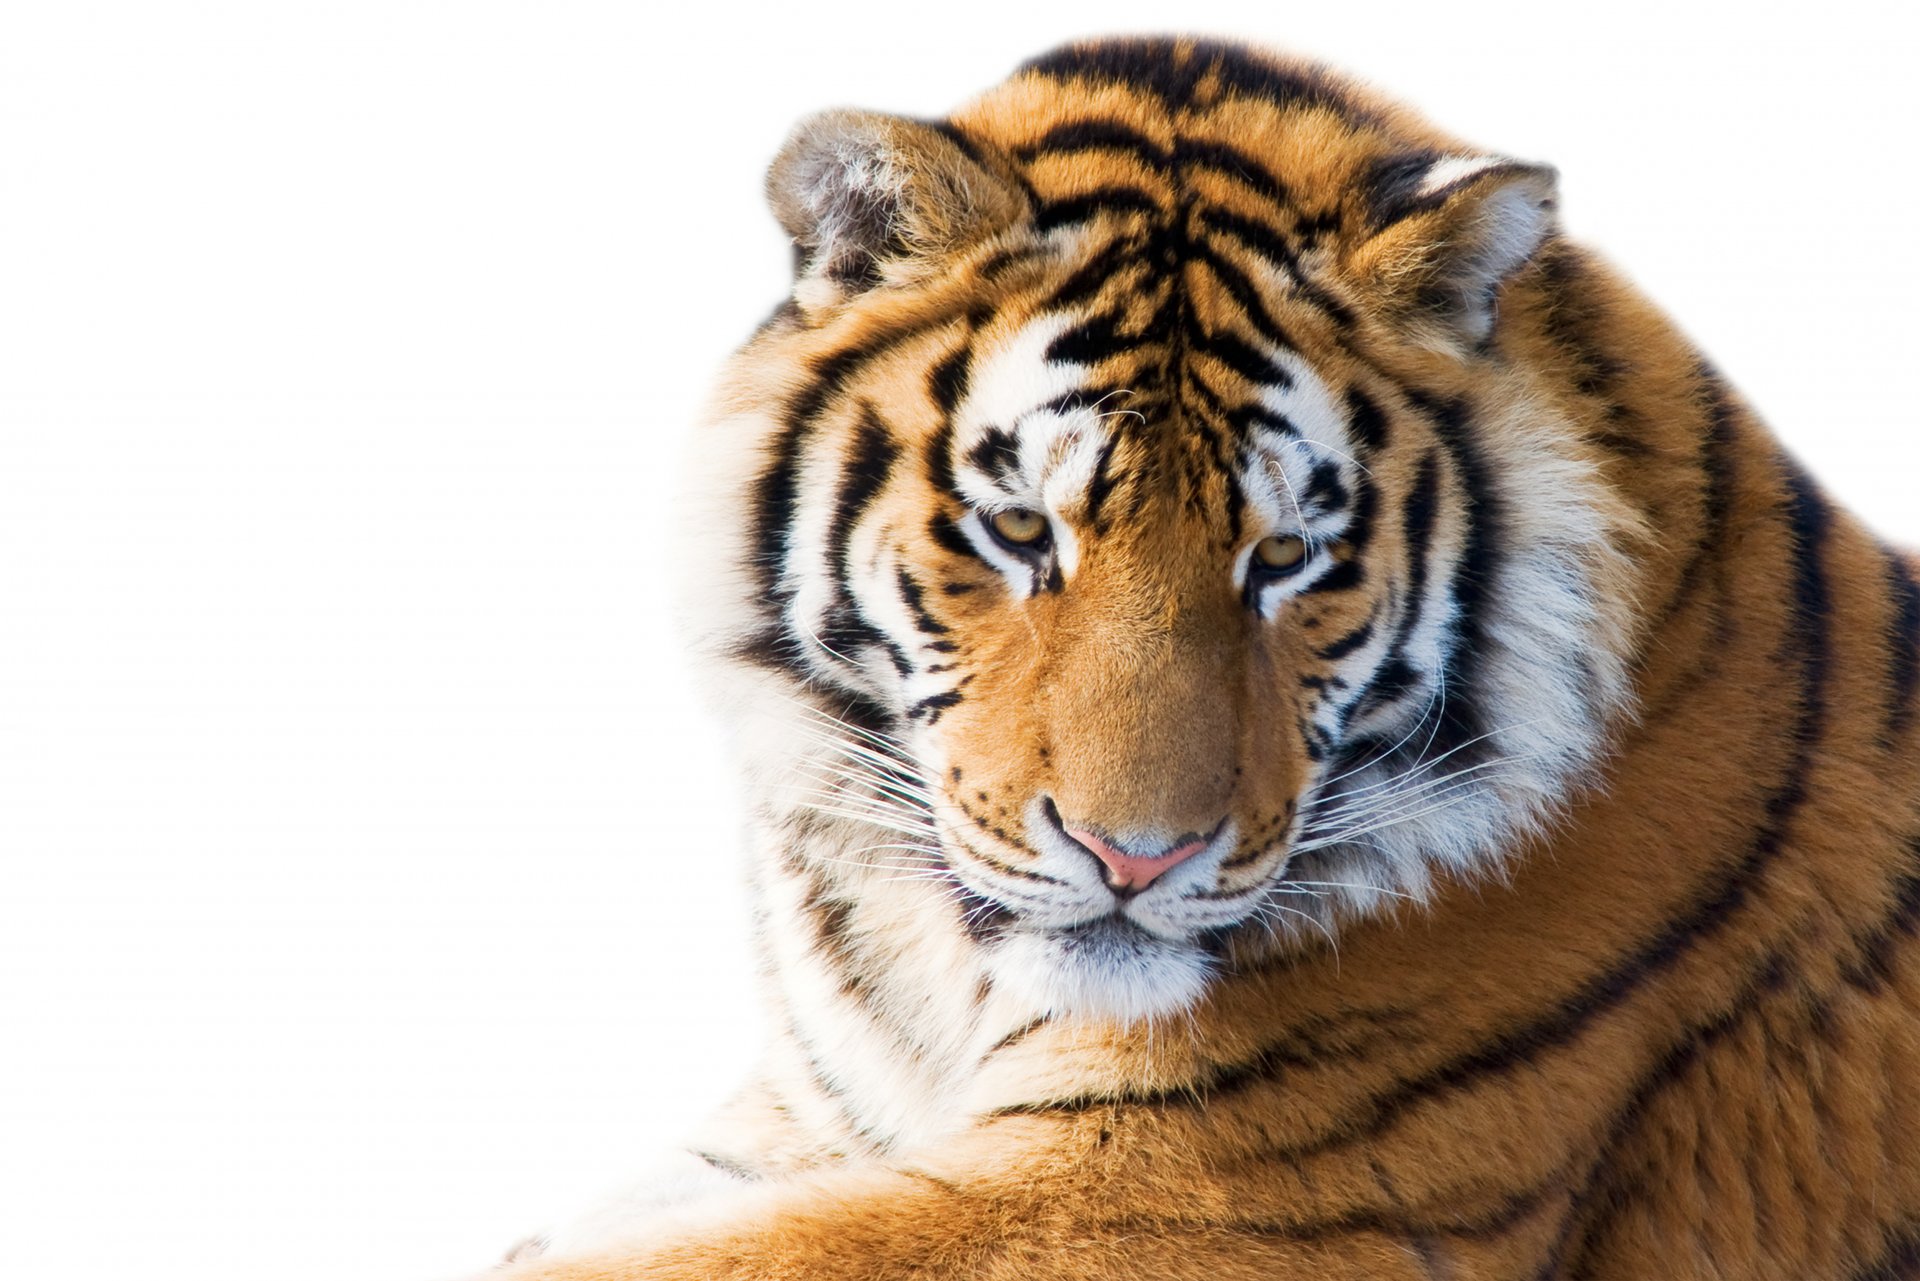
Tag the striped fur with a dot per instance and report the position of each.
(1558, 812)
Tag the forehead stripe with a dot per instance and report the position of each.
(1097, 135)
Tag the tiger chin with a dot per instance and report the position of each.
(1294, 727)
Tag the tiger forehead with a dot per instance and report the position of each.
(1036, 429)
(1190, 143)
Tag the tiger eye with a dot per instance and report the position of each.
(1283, 552)
(1019, 526)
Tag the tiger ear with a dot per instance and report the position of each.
(1448, 232)
(871, 199)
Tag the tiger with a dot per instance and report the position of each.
(1293, 727)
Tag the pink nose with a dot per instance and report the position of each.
(1135, 871)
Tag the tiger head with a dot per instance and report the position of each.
(1156, 524)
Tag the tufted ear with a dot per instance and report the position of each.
(870, 199)
(1448, 232)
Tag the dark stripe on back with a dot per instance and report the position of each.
(1716, 466)
(1899, 1258)
(1872, 964)
(1903, 649)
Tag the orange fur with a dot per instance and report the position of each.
(1677, 1036)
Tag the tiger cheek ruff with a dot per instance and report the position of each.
(1295, 728)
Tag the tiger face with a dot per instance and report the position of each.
(1147, 543)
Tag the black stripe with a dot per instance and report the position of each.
(1325, 491)
(1716, 466)
(933, 706)
(916, 598)
(1391, 186)
(945, 531)
(1903, 650)
(777, 490)
(1572, 321)
(1263, 238)
(1359, 527)
(1347, 644)
(844, 629)
(996, 454)
(1474, 578)
(1097, 135)
(940, 460)
(1811, 521)
(1104, 480)
(947, 381)
(1016, 1036)
(1270, 243)
(1088, 279)
(983, 919)
(1395, 676)
(1366, 425)
(1157, 67)
(1241, 357)
(869, 464)
(1092, 340)
(1223, 158)
(1899, 1256)
(1872, 965)
(1171, 72)
(734, 1169)
(1253, 304)
(1610, 1190)
(1060, 213)
(1001, 261)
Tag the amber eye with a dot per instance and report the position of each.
(1019, 528)
(1280, 553)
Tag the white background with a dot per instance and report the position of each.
(368, 881)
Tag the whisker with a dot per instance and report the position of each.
(1348, 885)
(857, 816)
(1405, 790)
(1305, 443)
(1347, 836)
(1309, 919)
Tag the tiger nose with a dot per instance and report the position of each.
(1135, 870)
